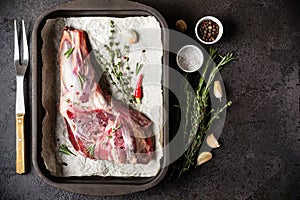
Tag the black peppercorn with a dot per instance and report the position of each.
(208, 30)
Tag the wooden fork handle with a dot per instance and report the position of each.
(20, 144)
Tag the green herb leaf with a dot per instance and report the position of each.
(69, 52)
(112, 24)
(138, 68)
(119, 126)
(106, 47)
(91, 150)
(82, 79)
(116, 128)
(64, 149)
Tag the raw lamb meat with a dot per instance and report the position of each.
(99, 127)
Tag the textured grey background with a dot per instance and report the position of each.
(259, 157)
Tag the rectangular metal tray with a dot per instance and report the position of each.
(93, 185)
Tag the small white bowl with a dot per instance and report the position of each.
(214, 19)
(189, 58)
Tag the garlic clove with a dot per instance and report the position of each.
(203, 157)
(130, 36)
(218, 90)
(212, 141)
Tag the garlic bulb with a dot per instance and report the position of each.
(203, 157)
(212, 141)
(130, 36)
(218, 90)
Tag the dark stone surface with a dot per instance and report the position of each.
(259, 157)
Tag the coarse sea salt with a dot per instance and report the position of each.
(189, 58)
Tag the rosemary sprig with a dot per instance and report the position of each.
(82, 79)
(91, 150)
(69, 52)
(224, 60)
(138, 68)
(65, 150)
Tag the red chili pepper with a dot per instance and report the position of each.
(138, 90)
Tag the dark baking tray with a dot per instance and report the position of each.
(93, 185)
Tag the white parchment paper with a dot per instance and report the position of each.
(54, 129)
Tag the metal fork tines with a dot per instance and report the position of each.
(21, 66)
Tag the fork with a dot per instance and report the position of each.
(21, 66)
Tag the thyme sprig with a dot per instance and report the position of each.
(117, 67)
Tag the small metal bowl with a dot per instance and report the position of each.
(189, 58)
(214, 19)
